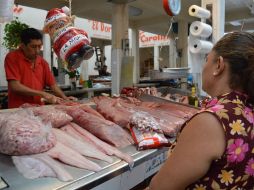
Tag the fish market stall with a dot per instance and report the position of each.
(113, 176)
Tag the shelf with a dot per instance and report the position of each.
(157, 75)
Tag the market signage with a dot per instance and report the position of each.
(102, 30)
(17, 9)
(147, 39)
(98, 29)
(95, 29)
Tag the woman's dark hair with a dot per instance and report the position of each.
(237, 48)
(29, 34)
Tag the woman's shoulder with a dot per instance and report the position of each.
(204, 118)
(206, 130)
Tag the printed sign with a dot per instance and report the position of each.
(99, 29)
(103, 31)
(147, 39)
(17, 9)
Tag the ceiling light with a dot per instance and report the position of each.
(236, 23)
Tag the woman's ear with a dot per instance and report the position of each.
(220, 66)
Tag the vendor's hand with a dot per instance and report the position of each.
(71, 98)
(50, 98)
(69, 101)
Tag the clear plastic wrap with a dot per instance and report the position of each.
(145, 122)
(56, 117)
(22, 133)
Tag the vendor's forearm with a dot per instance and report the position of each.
(57, 91)
(21, 89)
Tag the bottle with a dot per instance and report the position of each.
(81, 81)
(90, 83)
(193, 99)
(190, 81)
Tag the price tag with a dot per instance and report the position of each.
(3, 184)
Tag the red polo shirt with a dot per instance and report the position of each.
(18, 67)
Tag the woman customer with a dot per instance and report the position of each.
(215, 149)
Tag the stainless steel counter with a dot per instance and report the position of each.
(113, 176)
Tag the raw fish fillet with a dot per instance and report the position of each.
(101, 128)
(40, 165)
(83, 148)
(120, 111)
(22, 134)
(88, 109)
(56, 117)
(84, 107)
(75, 134)
(108, 149)
(169, 124)
(112, 110)
(72, 157)
(171, 108)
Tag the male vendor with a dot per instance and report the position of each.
(28, 73)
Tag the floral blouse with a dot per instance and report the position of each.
(235, 169)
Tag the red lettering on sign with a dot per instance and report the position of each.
(143, 38)
(17, 9)
(102, 27)
(95, 25)
(107, 29)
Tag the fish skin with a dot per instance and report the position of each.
(40, 165)
(102, 128)
(83, 148)
(75, 134)
(110, 150)
(72, 157)
(61, 173)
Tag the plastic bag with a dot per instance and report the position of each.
(22, 133)
(145, 122)
(50, 114)
(146, 131)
